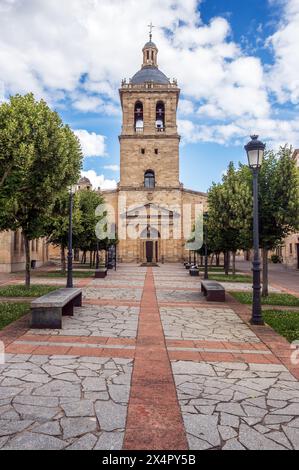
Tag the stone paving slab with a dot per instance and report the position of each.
(114, 321)
(238, 406)
(60, 402)
(211, 323)
(100, 283)
(179, 296)
(93, 293)
(215, 383)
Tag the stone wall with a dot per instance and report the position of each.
(12, 254)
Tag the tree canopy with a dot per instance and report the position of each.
(39, 158)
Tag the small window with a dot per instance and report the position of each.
(147, 55)
(156, 151)
(152, 55)
(143, 151)
(291, 248)
(149, 179)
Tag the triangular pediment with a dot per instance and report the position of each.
(149, 209)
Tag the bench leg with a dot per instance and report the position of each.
(68, 309)
(216, 297)
(78, 301)
(203, 290)
(46, 318)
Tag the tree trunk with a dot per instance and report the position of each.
(265, 291)
(234, 263)
(217, 260)
(62, 258)
(28, 266)
(226, 263)
(90, 259)
(212, 259)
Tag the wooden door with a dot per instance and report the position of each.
(149, 251)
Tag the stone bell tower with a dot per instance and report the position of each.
(149, 142)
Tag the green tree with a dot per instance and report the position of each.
(278, 202)
(58, 226)
(229, 214)
(39, 158)
(87, 239)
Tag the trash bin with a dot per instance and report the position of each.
(33, 264)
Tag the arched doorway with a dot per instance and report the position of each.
(150, 244)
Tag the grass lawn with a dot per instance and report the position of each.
(285, 323)
(23, 291)
(59, 274)
(11, 312)
(286, 300)
(230, 278)
(86, 266)
(213, 269)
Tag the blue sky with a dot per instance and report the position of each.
(236, 63)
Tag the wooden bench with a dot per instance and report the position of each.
(47, 311)
(213, 291)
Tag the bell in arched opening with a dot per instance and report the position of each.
(160, 116)
(139, 123)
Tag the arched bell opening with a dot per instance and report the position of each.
(138, 116)
(160, 116)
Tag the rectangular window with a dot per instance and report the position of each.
(156, 151)
(143, 151)
(291, 248)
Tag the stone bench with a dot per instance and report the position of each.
(101, 273)
(194, 272)
(47, 311)
(213, 291)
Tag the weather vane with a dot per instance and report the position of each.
(151, 27)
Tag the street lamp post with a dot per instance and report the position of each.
(255, 154)
(206, 218)
(70, 283)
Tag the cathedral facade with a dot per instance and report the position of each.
(152, 211)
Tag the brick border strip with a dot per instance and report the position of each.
(154, 419)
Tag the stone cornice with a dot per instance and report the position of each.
(149, 136)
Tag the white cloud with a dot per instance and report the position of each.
(186, 107)
(79, 50)
(275, 132)
(112, 167)
(71, 47)
(283, 77)
(99, 181)
(93, 145)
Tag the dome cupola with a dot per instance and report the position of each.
(149, 71)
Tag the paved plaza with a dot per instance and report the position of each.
(147, 363)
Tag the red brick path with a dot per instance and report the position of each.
(154, 418)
